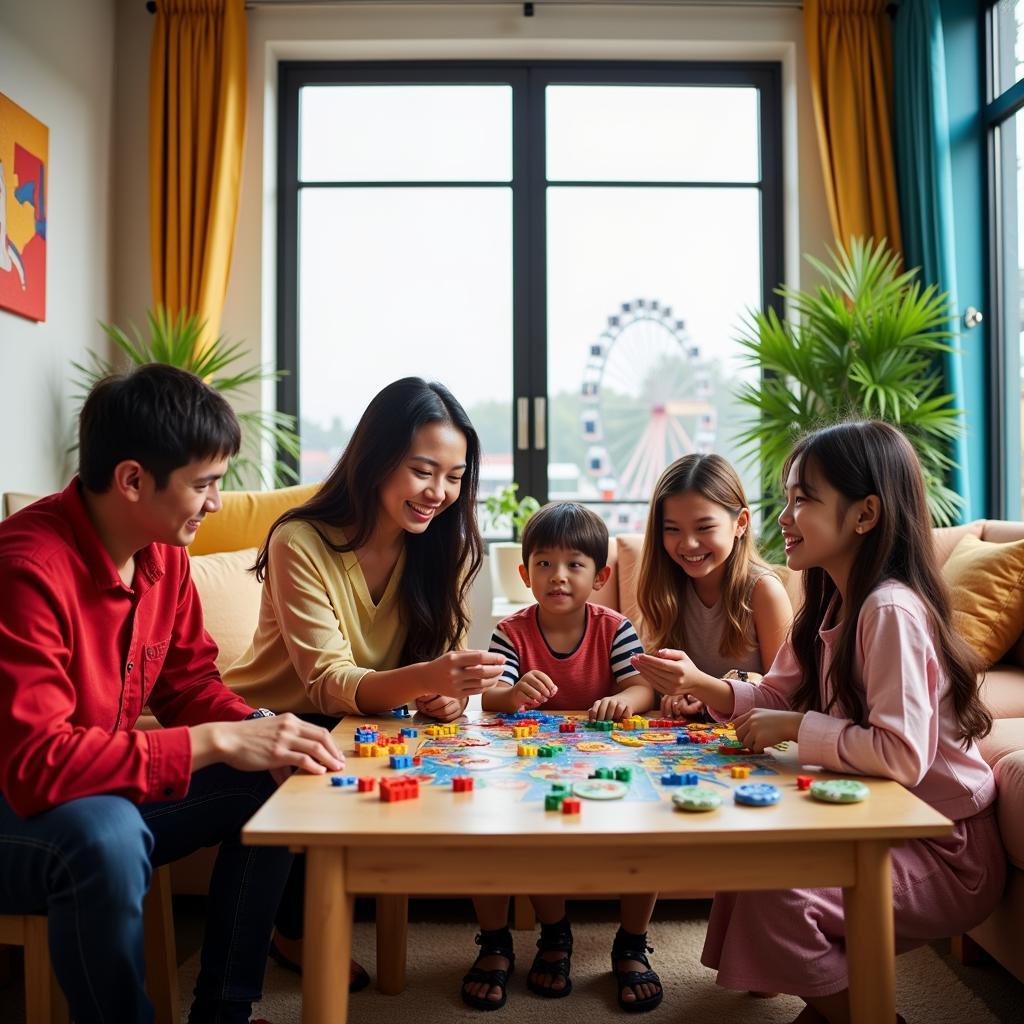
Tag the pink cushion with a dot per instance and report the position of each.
(947, 537)
(1006, 737)
(1000, 531)
(230, 597)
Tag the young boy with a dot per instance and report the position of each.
(564, 653)
(99, 618)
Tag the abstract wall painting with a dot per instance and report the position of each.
(24, 183)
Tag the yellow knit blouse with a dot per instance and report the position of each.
(319, 631)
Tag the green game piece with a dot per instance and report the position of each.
(839, 791)
(545, 752)
(602, 773)
(606, 726)
(553, 801)
(694, 798)
(559, 789)
(624, 774)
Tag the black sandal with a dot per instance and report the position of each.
(629, 946)
(492, 943)
(557, 938)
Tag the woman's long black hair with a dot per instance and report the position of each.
(442, 562)
(857, 459)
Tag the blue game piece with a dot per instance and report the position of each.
(684, 737)
(366, 734)
(343, 780)
(411, 733)
(402, 712)
(401, 761)
(672, 779)
(691, 779)
(756, 794)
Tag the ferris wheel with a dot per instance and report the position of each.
(647, 400)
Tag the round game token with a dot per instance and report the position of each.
(594, 746)
(600, 789)
(693, 798)
(839, 791)
(756, 794)
(657, 737)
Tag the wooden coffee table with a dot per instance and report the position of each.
(473, 843)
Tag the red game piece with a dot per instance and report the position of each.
(365, 783)
(567, 727)
(401, 787)
(462, 783)
(804, 781)
(417, 760)
(571, 805)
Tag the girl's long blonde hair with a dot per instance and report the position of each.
(661, 581)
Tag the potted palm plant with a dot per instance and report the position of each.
(176, 341)
(864, 344)
(506, 513)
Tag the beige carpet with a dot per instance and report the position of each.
(931, 988)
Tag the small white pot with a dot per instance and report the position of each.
(506, 583)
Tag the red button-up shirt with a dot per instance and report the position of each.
(81, 654)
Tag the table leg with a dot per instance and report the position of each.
(870, 939)
(392, 937)
(327, 946)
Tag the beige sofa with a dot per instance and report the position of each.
(231, 596)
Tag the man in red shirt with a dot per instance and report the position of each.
(98, 618)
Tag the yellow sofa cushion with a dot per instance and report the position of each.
(987, 586)
(245, 518)
(230, 597)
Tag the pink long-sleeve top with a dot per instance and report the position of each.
(911, 733)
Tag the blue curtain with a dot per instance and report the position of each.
(925, 179)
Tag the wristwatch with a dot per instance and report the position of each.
(260, 713)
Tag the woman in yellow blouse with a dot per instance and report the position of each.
(364, 594)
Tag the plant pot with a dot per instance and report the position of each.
(506, 583)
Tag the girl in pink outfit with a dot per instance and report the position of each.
(873, 680)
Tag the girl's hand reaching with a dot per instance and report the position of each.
(761, 728)
(669, 672)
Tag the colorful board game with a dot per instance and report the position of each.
(526, 754)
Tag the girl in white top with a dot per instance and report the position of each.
(707, 602)
(874, 680)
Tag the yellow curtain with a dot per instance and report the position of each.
(196, 138)
(849, 55)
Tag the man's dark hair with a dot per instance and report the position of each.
(569, 525)
(158, 415)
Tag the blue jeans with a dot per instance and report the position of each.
(87, 864)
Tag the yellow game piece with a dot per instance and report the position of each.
(740, 771)
(396, 748)
(527, 750)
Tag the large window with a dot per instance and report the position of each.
(1004, 115)
(570, 248)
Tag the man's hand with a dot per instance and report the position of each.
(462, 674)
(761, 728)
(533, 689)
(282, 742)
(444, 709)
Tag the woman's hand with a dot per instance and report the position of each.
(461, 674)
(444, 709)
(669, 672)
(761, 728)
(683, 706)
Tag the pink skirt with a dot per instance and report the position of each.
(793, 940)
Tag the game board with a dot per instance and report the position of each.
(489, 751)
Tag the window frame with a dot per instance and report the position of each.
(528, 79)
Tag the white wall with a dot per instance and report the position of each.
(57, 62)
